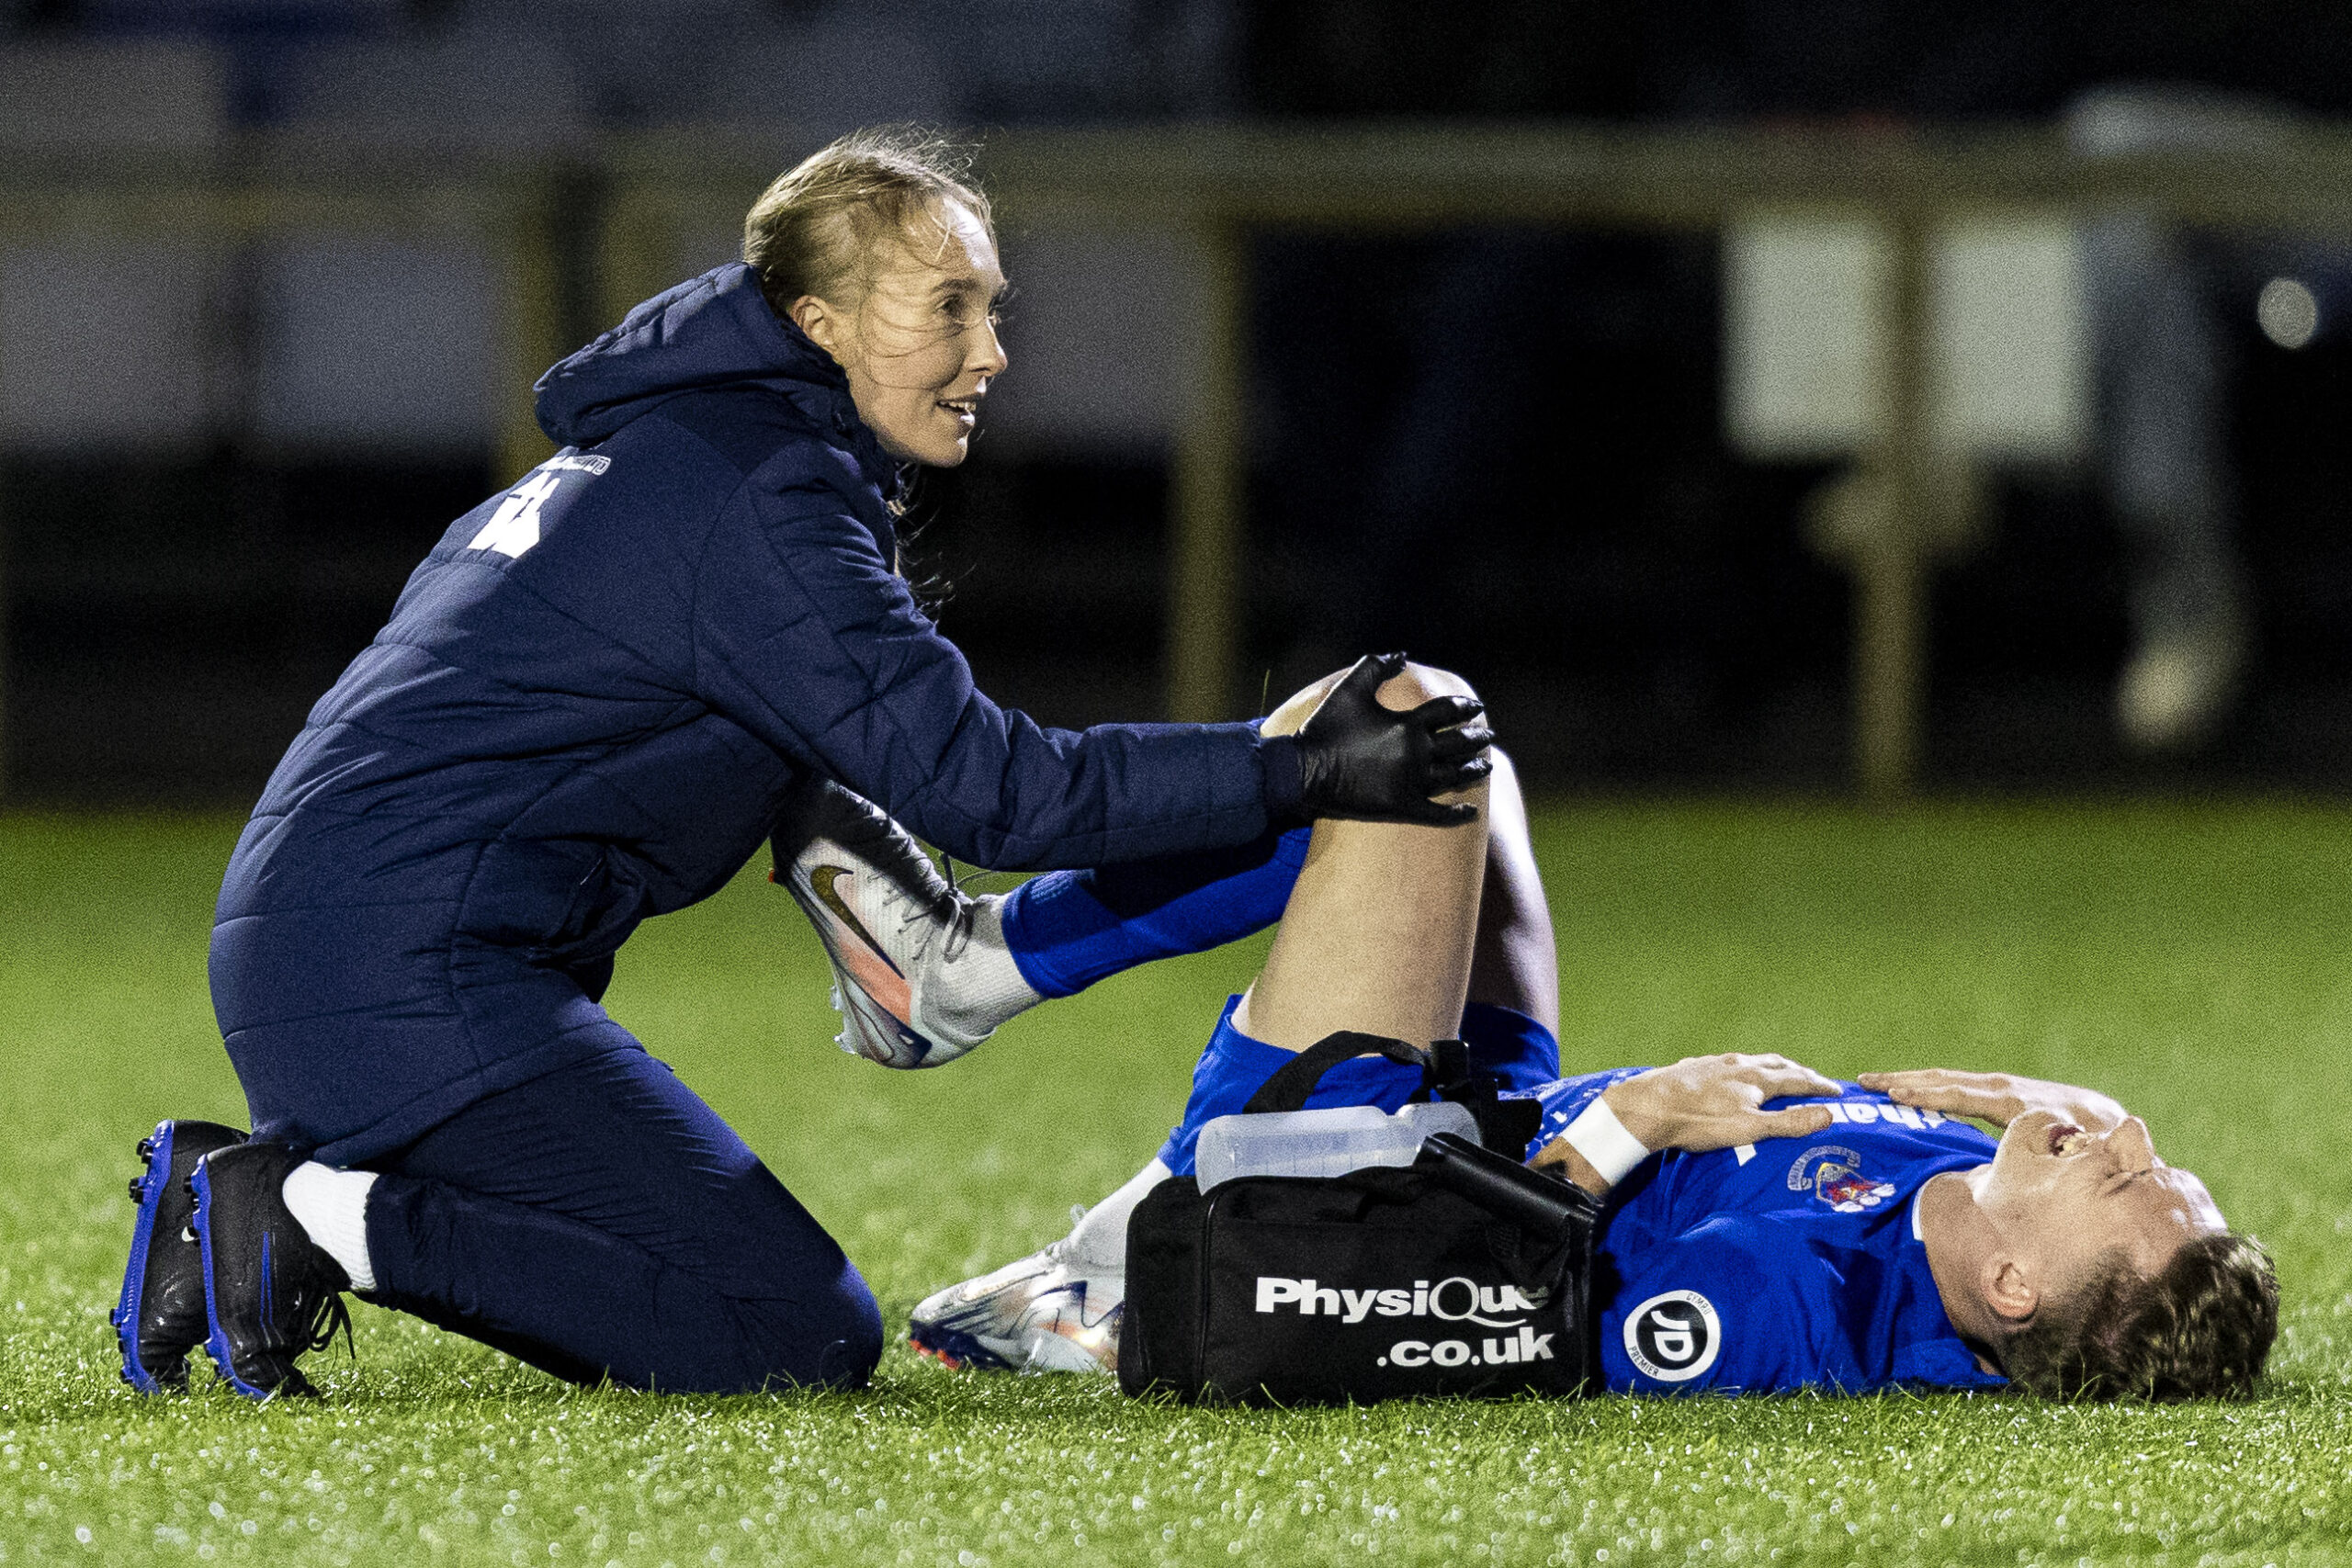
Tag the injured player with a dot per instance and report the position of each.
(1853, 1237)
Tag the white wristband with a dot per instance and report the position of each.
(1611, 1151)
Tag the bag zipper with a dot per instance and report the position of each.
(1201, 1306)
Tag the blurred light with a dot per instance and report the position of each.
(2288, 311)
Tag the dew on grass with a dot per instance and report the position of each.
(438, 1416)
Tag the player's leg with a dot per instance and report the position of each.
(1392, 935)
(1512, 971)
(1068, 928)
(1514, 961)
(1057, 1309)
(924, 973)
(1379, 928)
(599, 1221)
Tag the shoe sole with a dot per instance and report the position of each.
(157, 1150)
(216, 1343)
(942, 1357)
(955, 1349)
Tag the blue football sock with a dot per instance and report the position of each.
(1068, 928)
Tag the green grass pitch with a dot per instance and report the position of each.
(2197, 962)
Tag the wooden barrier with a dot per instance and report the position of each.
(1219, 182)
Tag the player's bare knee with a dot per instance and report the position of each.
(1300, 705)
(1416, 683)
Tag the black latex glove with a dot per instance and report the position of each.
(1358, 758)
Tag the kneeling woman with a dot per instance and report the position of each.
(596, 697)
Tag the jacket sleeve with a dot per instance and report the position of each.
(804, 637)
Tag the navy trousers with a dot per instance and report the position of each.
(602, 1221)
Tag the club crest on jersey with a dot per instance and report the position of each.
(1834, 1175)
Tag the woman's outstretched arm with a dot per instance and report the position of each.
(805, 638)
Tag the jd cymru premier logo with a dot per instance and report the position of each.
(1673, 1337)
(1458, 1299)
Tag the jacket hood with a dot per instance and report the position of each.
(710, 331)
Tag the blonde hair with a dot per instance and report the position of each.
(817, 228)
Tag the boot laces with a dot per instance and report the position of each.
(949, 919)
(327, 1315)
(923, 896)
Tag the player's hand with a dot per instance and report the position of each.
(1997, 1098)
(1359, 758)
(1714, 1102)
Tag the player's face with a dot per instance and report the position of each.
(2065, 1197)
(922, 348)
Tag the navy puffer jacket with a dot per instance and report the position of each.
(586, 709)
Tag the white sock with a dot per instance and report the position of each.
(1100, 1239)
(985, 984)
(332, 1206)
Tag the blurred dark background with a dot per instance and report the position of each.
(1502, 448)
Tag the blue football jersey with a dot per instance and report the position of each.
(1788, 1264)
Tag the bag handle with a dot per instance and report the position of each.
(1544, 1205)
(1296, 1079)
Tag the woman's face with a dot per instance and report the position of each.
(920, 348)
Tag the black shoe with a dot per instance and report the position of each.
(270, 1292)
(161, 1316)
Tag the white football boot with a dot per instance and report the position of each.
(1057, 1310)
(920, 971)
(1053, 1310)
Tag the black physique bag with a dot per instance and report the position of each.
(1463, 1273)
